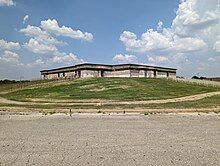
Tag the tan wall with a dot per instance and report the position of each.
(142, 73)
(71, 74)
(52, 76)
(108, 74)
(173, 75)
(90, 73)
(134, 73)
(160, 74)
(125, 73)
(43, 78)
(120, 73)
(150, 73)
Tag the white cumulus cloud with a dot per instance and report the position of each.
(26, 17)
(6, 3)
(52, 26)
(40, 35)
(195, 27)
(43, 41)
(157, 59)
(150, 40)
(160, 26)
(192, 38)
(4, 45)
(167, 41)
(119, 58)
(211, 59)
(67, 59)
(9, 57)
(40, 48)
(216, 46)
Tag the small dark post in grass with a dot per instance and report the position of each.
(124, 112)
(146, 113)
(70, 112)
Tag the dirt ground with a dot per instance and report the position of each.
(115, 139)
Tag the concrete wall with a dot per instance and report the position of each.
(125, 73)
(160, 74)
(90, 73)
(52, 76)
(59, 76)
(142, 73)
(173, 75)
(101, 73)
(43, 77)
(70, 74)
(134, 73)
(108, 74)
(150, 73)
(120, 73)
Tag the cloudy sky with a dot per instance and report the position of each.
(43, 34)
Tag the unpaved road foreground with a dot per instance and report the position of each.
(96, 139)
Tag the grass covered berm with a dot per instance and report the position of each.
(118, 89)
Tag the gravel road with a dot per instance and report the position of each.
(116, 139)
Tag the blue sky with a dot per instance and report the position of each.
(151, 32)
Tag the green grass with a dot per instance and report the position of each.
(209, 102)
(21, 85)
(119, 89)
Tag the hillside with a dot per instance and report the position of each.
(120, 89)
(111, 93)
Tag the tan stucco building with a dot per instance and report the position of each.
(100, 70)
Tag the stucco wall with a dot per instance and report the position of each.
(150, 73)
(142, 73)
(43, 77)
(108, 74)
(52, 76)
(160, 74)
(172, 75)
(90, 73)
(70, 74)
(119, 73)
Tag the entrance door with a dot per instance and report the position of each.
(155, 73)
(102, 73)
(145, 73)
(79, 73)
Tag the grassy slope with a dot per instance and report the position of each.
(120, 89)
(20, 85)
(209, 102)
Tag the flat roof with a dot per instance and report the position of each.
(108, 66)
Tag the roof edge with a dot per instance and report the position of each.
(94, 64)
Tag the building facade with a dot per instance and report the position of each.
(88, 70)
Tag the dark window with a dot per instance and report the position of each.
(79, 73)
(102, 73)
(155, 73)
(145, 73)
